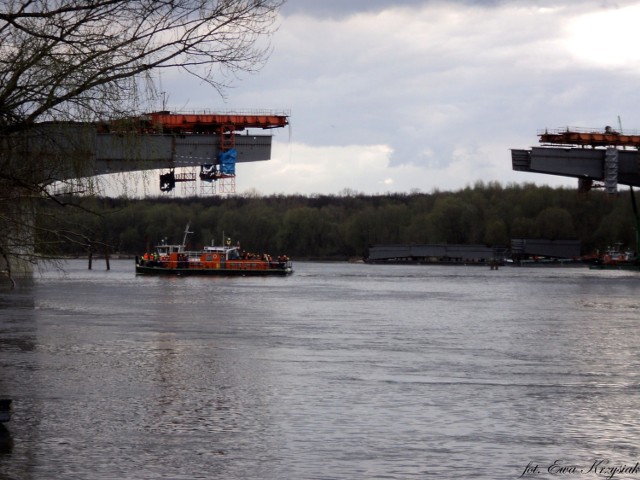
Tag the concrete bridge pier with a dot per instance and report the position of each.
(18, 245)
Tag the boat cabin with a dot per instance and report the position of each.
(165, 250)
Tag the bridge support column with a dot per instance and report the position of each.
(17, 243)
(611, 170)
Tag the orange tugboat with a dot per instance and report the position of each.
(616, 259)
(211, 260)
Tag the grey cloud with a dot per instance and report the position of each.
(342, 8)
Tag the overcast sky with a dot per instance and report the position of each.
(399, 96)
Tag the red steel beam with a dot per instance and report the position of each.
(215, 122)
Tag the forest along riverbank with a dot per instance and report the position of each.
(344, 226)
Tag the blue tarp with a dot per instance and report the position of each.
(227, 161)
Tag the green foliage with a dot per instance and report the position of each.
(495, 232)
(554, 223)
(344, 226)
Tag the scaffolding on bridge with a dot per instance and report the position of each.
(218, 168)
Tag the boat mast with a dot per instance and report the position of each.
(186, 233)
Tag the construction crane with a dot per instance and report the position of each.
(590, 155)
(608, 137)
(223, 126)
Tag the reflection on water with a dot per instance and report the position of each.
(339, 371)
(6, 441)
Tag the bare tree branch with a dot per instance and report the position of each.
(70, 52)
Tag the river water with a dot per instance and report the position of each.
(340, 371)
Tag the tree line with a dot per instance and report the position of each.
(342, 226)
